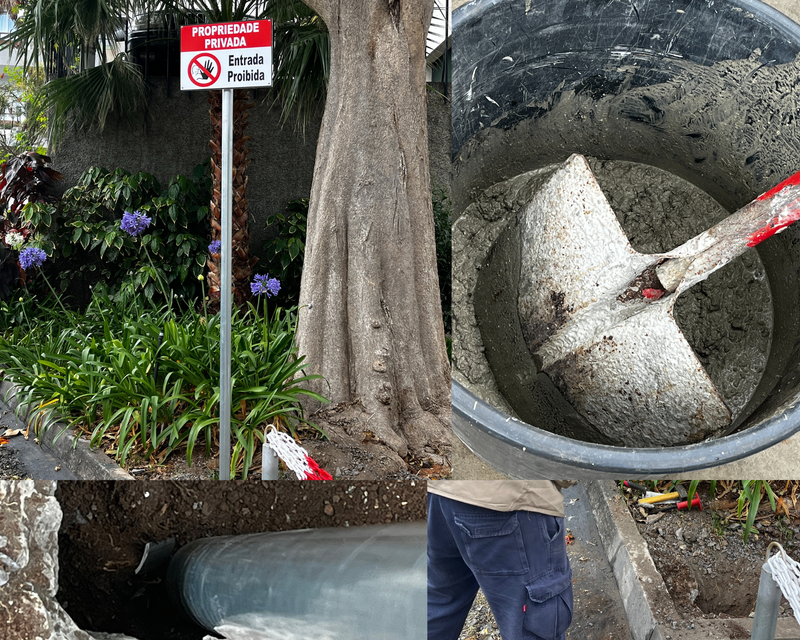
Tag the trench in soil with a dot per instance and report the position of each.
(709, 570)
(106, 525)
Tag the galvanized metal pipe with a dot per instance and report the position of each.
(347, 583)
(768, 601)
(225, 289)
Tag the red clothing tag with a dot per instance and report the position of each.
(524, 608)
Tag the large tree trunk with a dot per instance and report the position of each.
(242, 261)
(370, 316)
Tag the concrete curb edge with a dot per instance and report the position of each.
(73, 451)
(630, 562)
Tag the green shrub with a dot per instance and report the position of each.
(286, 249)
(97, 372)
(24, 178)
(82, 232)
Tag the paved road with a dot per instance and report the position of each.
(599, 614)
(21, 458)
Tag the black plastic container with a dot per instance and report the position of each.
(703, 90)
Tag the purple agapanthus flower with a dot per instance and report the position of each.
(264, 285)
(31, 257)
(134, 223)
(215, 248)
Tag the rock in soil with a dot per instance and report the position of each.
(29, 522)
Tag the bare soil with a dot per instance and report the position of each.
(107, 524)
(709, 570)
(351, 451)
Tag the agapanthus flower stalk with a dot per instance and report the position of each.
(35, 257)
(134, 223)
(32, 257)
(264, 285)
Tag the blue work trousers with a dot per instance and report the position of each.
(517, 558)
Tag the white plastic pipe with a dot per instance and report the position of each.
(347, 583)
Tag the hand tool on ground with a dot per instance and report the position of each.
(679, 492)
(681, 506)
(597, 315)
(647, 492)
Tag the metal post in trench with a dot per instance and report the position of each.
(768, 601)
(225, 289)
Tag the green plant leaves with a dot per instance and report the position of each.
(286, 247)
(97, 371)
(88, 245)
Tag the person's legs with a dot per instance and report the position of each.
(520, 561)
(451, 585)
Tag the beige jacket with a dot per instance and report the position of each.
(543, 496)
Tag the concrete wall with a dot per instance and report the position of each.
(174, 138)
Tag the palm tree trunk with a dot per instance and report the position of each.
(243, 262)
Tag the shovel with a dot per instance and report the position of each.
(597, 315)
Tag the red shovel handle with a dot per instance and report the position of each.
(765, 216)
(787, 215)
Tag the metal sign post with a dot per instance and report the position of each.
(226, 56)
(225, 289)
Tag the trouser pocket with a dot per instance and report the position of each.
(493, 543)
(548, 612)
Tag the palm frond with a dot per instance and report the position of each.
(89, 97)
(213, 10)
(68, 28)
(437, 32)
(285, 10)
(50, 27)
(302, 60)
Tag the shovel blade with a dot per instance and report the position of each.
(574, 252)
(641, 384)
(622, 362)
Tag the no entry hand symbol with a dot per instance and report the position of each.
(204, 70)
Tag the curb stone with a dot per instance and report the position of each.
(641, 586)
(73, 451)
(630, 560)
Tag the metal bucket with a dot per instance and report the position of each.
(701, 90)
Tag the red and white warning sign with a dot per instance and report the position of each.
(229, 55)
